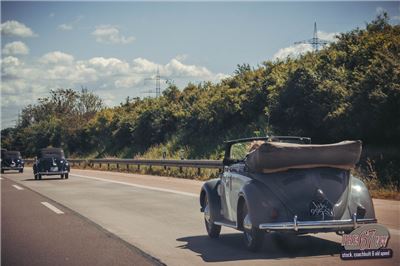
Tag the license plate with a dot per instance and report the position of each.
(54, 169)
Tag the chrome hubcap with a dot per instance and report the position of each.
(247, 222)
(207, 213)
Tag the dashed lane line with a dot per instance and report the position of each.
(18, 187)
(51, 207)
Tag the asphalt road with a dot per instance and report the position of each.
(38, 231)
(160, 216)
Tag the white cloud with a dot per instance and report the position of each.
(112, 78)
(292, 51)
(111, 34)
(328, 36)
(70, 25)
(51, 15)
(57, 57)
(17, 29)
(65, 27)
(142, 65)
(15, 48)
(295, 50)
(109, 66)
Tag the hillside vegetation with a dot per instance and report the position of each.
(348, 90)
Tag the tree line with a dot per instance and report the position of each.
(348, 90)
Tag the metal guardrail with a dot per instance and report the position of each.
(199, 164)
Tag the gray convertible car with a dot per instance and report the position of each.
(286, 185)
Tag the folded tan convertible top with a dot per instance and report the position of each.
(273, 157)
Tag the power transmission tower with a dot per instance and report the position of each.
(157, 79)
(315, 41)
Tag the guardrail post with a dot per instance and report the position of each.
(117, 166)
(127, 167)
(100, 165)
(180, 169)
(79, 163)
(108, 166)
(198, 171)
(138, 166)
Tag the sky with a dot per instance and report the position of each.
(110, 48)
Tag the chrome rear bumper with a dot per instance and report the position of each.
(12, 167)
(53, 173)
(329, 224)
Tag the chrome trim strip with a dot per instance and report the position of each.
(12, 168)
(226, 224)
(332, 224)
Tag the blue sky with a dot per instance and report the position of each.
(111, 47)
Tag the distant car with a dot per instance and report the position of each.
(11, 160)
(51, 161)
(284, 187)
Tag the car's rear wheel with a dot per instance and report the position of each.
(39, 176)
(253, 237)
(21, 170)
(62, 176)
(66, 176)
(213, 230)
(2, 171)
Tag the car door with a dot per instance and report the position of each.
(226, 187)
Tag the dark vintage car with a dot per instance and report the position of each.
(310, 193)
(51, 161)
(11, 160)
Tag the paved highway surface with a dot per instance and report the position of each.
(108, 214)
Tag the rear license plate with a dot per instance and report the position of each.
(54, 169)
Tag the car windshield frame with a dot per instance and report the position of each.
(52, 153)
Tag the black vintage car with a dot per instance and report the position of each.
(11, 160)
(51, 161)
(286, 185)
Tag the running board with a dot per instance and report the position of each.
(227, 224)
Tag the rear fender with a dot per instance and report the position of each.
(359, 199)
(210, 188)
(262, 205)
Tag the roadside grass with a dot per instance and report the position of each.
(375, 186)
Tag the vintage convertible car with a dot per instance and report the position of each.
(286, 185)
(11, 160)
(51, 161)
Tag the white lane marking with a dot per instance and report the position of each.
(140, 186)
(18, 187)
(51, 207)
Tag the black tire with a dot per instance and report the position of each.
(66, 176)
(253, 237)
(21, 170)
(62, 176)
(39, 176)
(213, 230)
(2, 171)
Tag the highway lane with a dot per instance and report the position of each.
(38, 231)
(160, 215)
